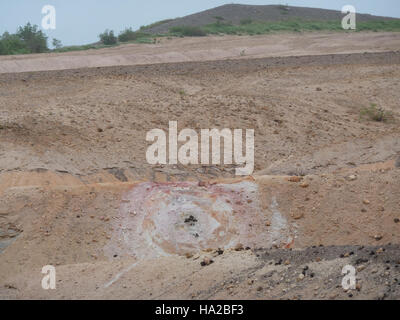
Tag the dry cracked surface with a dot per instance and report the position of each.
(76, 191)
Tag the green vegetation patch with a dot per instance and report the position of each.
(375, 113)
(188, 31)
(28, 39)
(256, 27)
(128, 35)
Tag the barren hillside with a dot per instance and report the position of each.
(235, 13)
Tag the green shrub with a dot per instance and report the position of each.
(127, 35)
(375, 113)
(80, 48)
(57, 43)
(108, 38)
(130, 35)
(188, 31)
(12, 44)
(147, 40)
(34, 39)
(28, 39)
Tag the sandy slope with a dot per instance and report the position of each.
(76, 191)
(207, 48)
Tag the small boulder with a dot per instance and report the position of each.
(239, 247)
(352, 177)
(206, 261)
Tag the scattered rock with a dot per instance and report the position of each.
(279, 262)
(381, 296)
(378, 237)
(202, 184)
(352, 177)
(191, 220)
(301, 276)
(206, 261)
(360, 268)
(196, 256)
(239, 247)
(10, 286)
(304, 185)
(298, 215)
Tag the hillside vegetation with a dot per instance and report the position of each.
(27, 39)
(237, 14)
(233, 19)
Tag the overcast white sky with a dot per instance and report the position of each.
(80, 21)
